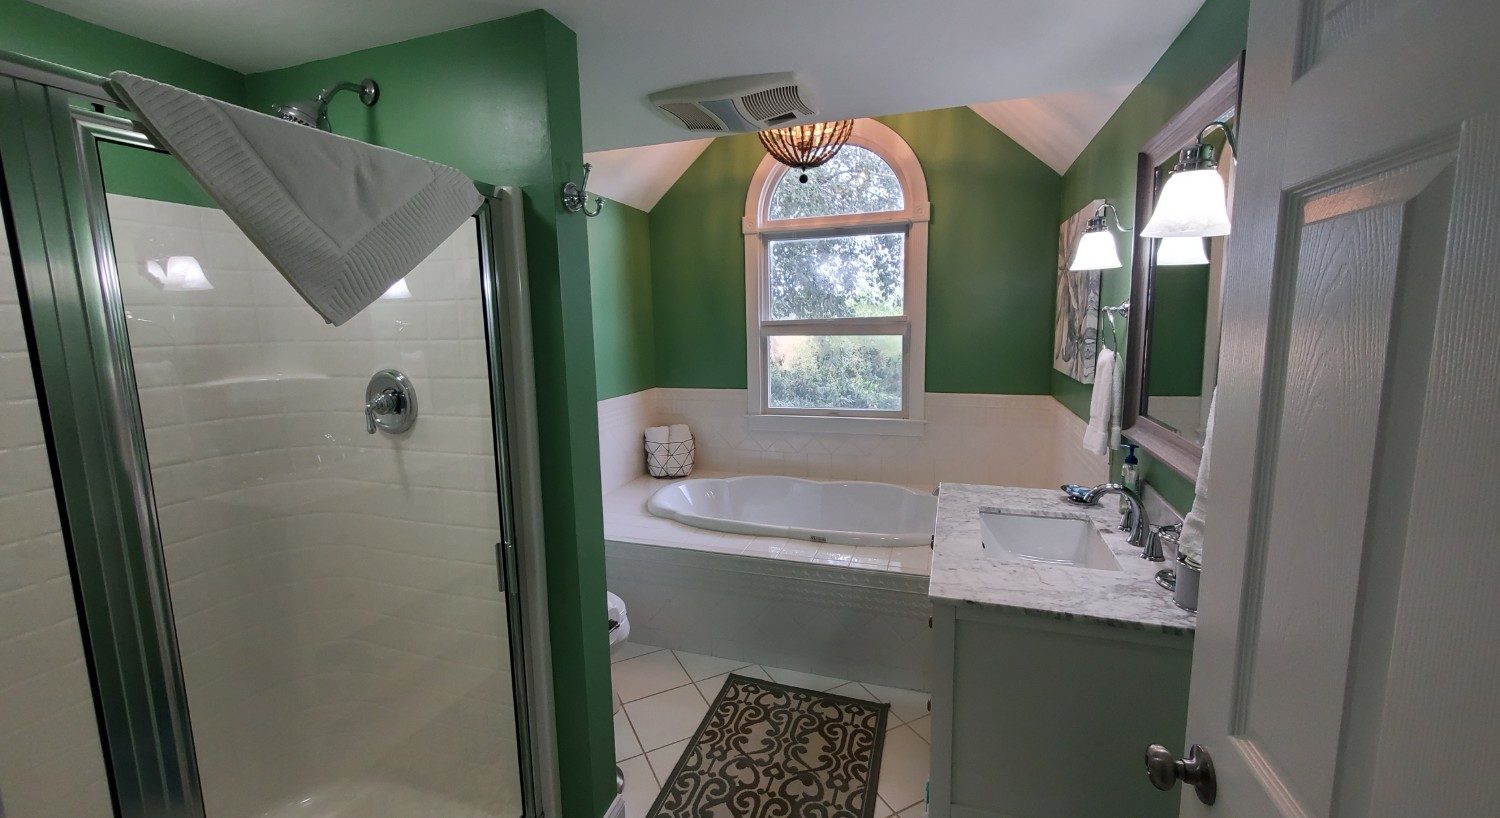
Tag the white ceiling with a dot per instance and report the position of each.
(861, 57)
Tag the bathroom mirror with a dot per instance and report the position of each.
(1173, 352)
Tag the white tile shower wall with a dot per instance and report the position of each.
(335, 592)
(622, 424)
(1019, 440)
(51, 764)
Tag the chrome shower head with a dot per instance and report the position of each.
(313, 112)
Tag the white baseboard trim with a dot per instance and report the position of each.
(616, 808)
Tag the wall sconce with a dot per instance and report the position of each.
(1181, 251)
(1096, 247)
(1193, 201)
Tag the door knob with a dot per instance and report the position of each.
(1195, 770)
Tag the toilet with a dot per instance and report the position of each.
(619, 631)
(619, 624)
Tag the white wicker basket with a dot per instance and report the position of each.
(670, 459)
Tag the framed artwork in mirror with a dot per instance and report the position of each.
(1075, 327)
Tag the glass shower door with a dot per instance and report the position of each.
(334, 593)
(51, 763)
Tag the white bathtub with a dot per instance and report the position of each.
(847, 513)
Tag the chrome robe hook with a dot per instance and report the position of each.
(575, 197)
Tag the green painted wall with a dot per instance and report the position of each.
(51, 35)
(132, 171)
(1179, 297)
(991, 246)
(620, 276)
(1209, 43)
(500, 102)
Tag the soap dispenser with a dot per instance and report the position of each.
(1130, 477)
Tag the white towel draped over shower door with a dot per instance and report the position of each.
(341, 219)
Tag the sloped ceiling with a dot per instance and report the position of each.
(859, 57)
(640, 176)
(1055, 128)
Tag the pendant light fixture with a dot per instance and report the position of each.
(1181, 251)
(1193, 201)
(1096, 247)
(807, 146)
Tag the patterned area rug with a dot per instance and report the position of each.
(766, 750)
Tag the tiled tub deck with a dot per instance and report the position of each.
(832, 610)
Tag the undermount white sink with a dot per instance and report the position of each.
(1051, 540)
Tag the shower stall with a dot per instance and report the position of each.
(261, 601)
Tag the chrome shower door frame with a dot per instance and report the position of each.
(54, 189)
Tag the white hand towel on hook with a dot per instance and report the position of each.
(1103, 430)
(341, 219)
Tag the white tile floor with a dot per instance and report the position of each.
(662, 696)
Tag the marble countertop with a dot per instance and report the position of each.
(964, 572)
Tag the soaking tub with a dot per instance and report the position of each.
(846, 513)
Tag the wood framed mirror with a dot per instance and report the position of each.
(1173, 344)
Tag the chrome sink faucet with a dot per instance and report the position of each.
(1139, 525)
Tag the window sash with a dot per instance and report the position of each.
(766, 299)
(819, 226)
(763, 308)
(899, 327)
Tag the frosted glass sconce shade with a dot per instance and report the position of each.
(1192, 203)
(1096, 247)
(1096, 251)
(1181, 251)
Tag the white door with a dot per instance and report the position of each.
(1347, 661)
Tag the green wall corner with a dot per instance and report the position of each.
(56, 37)
(698, 269)
(620, 278)
(59, 38)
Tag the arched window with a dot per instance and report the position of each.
(835, 287)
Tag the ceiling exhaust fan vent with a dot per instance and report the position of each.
(776, 105)
(737, 104)
(692, 117)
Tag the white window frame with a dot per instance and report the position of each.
(760, 230)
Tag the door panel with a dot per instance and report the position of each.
(1332, 22)
(1346, 660)
(1351, 257)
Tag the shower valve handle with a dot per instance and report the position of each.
(388, 402)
